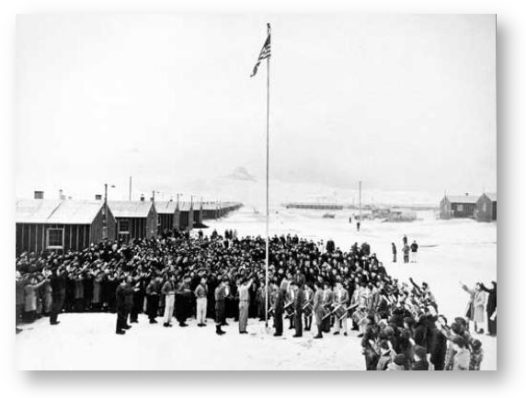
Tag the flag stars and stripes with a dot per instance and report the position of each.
(264, 54)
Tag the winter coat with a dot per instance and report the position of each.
(97, 290)
(318, 308)
(78, 292)
(385, 360)
(31, 295)
(201, 291)
(20, 293)
(124, 297)
(461, 360)
(341, 300)
(168, 288)
(476, 359)
(420, 365)
(491, 305)
(299, 301)
(479, 306)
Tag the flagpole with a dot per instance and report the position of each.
(267, 186)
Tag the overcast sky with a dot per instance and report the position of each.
(401, 102)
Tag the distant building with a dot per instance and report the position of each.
(135, 219)
(211, 210)
(189, 216)
(460, 206)
(486, 207)
(61, 225)
(167, 218)
(314, 206)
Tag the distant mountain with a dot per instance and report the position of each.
(241, 174)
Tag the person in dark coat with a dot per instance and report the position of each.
(368, 343)
(138, 299)
(299, 303)
(318, 308)
(58, 286)
(393, 248)
(437, 345)
(123, 303)
(279, 307)
(220, 294)
(182, 302)
(420, 332)
(152, 298)
(491, 308)
(420, 362)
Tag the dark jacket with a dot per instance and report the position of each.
(58, 284)
(300, 301)
(124, 297)
(420, 365)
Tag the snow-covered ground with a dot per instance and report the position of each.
(451, 251)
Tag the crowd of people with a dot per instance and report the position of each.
(220, 277)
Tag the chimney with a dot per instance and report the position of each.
(98, 196)
(142, 198)
(39, 194)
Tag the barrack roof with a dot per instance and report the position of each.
(463, 198)
(130, 208)
(48, 211)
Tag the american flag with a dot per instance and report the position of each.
(264, 54)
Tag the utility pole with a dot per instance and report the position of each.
(105, 218)
(177, 215)
(359, 223)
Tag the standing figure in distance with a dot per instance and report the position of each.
(152, 299)
(169, 300)
(318, 308)
(220, 296)
(201, 292)
(341, 300)
(299, 303)
(414, 251)
(244, 302)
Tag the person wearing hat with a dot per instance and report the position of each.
(341, 300)
(387, 355)
(307, 308)
(30, 299)
(244, 302)
(279, 306)
(491, 307)
(220, 294)
(124, 302)
(201, 292)
(299, 304)
(168, 290)
(477, 355)
(420, 360)
(398, 363)
(327, 302)
(461, 359)
(181, 305)
(152, 298)
(58, 293)
(318, 308)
